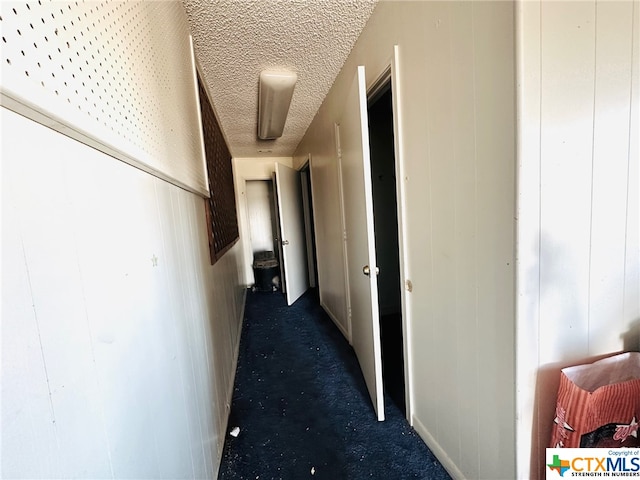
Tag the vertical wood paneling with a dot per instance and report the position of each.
(494, 111)
(177, 347)
(632, 246)
(29, 421)
(440, 127)
(420, 232)
(58, 302)
(528, 232)
(458, 113)
(612, 111)
(463, 147)
(195, 400)
(566, 173)
(329, 235)
(577, 71)
(116, 318)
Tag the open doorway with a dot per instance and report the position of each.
(263, 230)
(295, 232)
(309, 227)
(385, 211)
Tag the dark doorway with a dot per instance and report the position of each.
(385, 210)
(309, 227)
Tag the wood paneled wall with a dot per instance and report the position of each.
(119, 339)
(578, 201)
(457, 84)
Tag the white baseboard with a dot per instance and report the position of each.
(437, 450)
(335, 320)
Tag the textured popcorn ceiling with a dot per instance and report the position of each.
(236, 39)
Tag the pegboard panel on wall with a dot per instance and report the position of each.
(119, 76)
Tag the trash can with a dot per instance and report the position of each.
(266, 272)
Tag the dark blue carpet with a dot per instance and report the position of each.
(302, 406)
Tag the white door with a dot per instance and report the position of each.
(361, 253)
(292, 235)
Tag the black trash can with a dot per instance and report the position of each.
(266, 272)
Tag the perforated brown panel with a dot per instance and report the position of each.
(221, 205)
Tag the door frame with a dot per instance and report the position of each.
(309, 220)
(390, 75)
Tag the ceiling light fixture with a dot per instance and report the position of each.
(274, 98)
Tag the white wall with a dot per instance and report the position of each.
(327, 221)
(119, 339)
(457, 85)
(261, 205)
(578, 202)
(246, 169)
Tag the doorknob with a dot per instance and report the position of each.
(285, 242)
(367, 271)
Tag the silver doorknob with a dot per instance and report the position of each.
(367, 271)
(285, 242)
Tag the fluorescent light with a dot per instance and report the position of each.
(274, 98)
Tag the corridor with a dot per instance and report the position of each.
(302, 407)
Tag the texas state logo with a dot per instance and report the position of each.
(560, 466)
(593, 462)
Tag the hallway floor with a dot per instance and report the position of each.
(303, 409)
